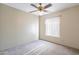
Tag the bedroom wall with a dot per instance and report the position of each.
(69, 27)
(16, 27)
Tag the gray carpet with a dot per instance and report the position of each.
(39, 47)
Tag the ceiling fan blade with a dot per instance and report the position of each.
(47, 6)
(34, 5)
(33, 11)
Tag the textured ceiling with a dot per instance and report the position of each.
(55, 7)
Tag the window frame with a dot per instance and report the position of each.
(58, 22)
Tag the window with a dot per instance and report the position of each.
(52, 27)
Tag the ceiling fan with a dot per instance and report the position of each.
(40, 7)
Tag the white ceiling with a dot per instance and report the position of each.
(55, 7)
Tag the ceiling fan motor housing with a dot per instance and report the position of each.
(40, 8)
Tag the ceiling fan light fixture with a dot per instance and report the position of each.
(41, 13)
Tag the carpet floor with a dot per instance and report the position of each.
(40, 47)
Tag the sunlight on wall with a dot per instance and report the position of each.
(34, 29)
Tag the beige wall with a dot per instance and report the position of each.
(16, 27)
(69, 27)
